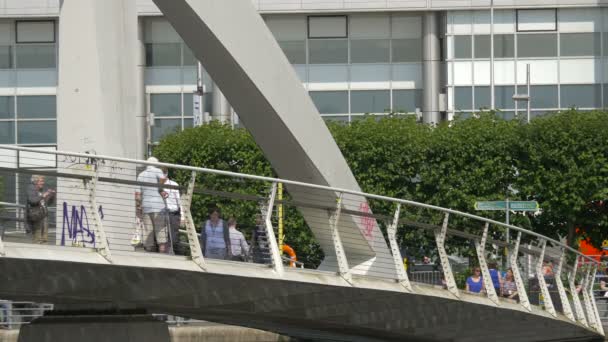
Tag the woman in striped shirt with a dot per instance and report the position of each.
(509, 288)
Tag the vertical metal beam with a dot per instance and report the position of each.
(431, 62)
(277, 262)
(587, 293)
(542, 283)
(101, 240)
(443, 257)
(334, 219)
(480, 247)
(186, 203)
(560, 288)
(402, 277)
(521, 289)
(600, 327)
(578, 307)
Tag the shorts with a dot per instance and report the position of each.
(155, 229)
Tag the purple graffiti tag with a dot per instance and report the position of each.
(77, 225)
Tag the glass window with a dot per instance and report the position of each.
(369, 51)
(35, 31)
(462, 46)
(581, 96)
(370, 101)
(482, 98)
(6, 57)
(482, 46)
(407, 50)
(37, 132)
(463, 98)
(328, 51)
(503, 97)
(327, 26)
(189, 59)
(36, 56)
(330, 102)
(581, 44)
(188, 123)
(37, 107)
(504, 46)
(163, 127)
(407, 100)
(167, 54)
(542, 96)
(7, 132)
(8, 187)
(166, 104)
(188, 104)
(7, 110)
(295, 50)
(537, 45)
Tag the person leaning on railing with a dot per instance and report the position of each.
(37, 209)
(150, 208)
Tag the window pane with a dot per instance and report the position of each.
(188, 123)
(407, 100)
(35, 31)
(295, 50)
(167, 54)
(36, 56)
(6, 57)
(537, 45)
(542, 96)
(369, 51)
(482, 46)
(503, 97)
(407, 50)
(581, 44)
(189, 59)
(37, 107)
(37, 132)
(581, 96)
(7, 132)
(506, 115)
(463, 98)
(188, 104)
(328, 51)
(330, 102)
(327, 27)
(482, 98)
(163, 127)
(8, 187)
(504, 46)
(166, 104)
(462, 46)
(7, 110)
(370, 101)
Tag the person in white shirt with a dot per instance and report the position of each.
(150, 208)
(175, 213)
(239, 249)
(215, 239)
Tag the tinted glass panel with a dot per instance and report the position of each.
(7, 132)
(503, 97)
(36, 56)
(37, 132)
(581, 96)
(369, 51)
(188, 123)
(37, 107)
(295, 51)
(581, 44)
(8, 187)
(188, 104)
(462, 46)
(7, 110)
(463, 98)
(370, 101)
(542, 96)
(328, 51)
(407, 50)
(189, 59)
(537, 45)
(482, 46)
(482, 98)
(163, 127)
(504, 46)
(167, 54)
(6, 57)
(407, 100)
(330, 102)
(166, 104)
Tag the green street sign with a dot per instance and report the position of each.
(502, 205)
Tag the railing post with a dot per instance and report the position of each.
(443, 257)
(598, 319)
(196, 251)
(560, 288)
(521, 289)
(591, 317)
(578, 307)
(101, 240)
(334, 219)
(275, 254)
(402, 277)
(2, 251)
(480, 247)
(542, 283)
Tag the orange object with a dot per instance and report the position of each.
(292, 255)
(587, 248)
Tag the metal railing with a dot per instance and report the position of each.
(93, 204)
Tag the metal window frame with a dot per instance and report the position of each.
(54, 22)
(346, 23)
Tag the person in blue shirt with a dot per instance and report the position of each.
(496, 277)
(475, 282)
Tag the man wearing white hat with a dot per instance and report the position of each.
(150, 205)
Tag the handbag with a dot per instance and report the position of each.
(137, 239)
(37, 213)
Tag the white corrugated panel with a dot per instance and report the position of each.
(541, 71)
(463, 73)
(481, 71)
(504, 72)
(580, 71)
(370, 76)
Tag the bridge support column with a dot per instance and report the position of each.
(562, 291)
(102, 328)
(598, 319)
(195, 247)
(443, 256)
(334, 219)
(397, 257)
(519, 282)
(587, 295)
(102, 242)
(548, 302)
(480, 247)
(275, 254)
(578, 307)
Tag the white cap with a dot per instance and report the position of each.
(152, 160)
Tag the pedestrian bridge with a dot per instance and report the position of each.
(89, 261)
